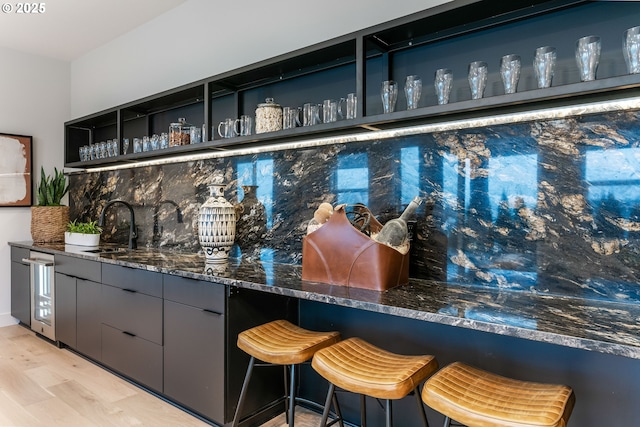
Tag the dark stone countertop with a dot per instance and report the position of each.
(593, 325)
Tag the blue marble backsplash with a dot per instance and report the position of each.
(547, 206)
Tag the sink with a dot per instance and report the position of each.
(105, 250)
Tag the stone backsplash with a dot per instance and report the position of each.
(546, 206)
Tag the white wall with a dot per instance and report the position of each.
(34, 101)
(202, 38)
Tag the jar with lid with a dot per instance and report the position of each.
(268, 116)
(179, 133)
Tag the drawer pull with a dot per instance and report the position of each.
(131, 291)
(206, 310)
(128, 333)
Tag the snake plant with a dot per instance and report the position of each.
(52, 188)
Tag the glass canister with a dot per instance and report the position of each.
(179, 133)
(268, 116)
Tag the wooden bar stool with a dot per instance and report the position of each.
(478, 398)
(280, 343)
(359, 367)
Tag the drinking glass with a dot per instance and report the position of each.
(443, 83)
(102, 150)
(290, 117)
(226, 128)
(195, 135)
(146, 143)
(544, 62)
(389, 94)
(351, 106)
(588, 57)
(311, 114)
(510, 72)
(242, 126)
(329, 111)
(164, 140)
(115, 147)
(125, 145)
(631, 49)
(154, 142)
(413, 91)
(137, 145)
(477, 78)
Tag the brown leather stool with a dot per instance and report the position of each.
(280, 343)
(478, 398)
(359, 367)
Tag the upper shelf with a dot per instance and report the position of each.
(450, 35)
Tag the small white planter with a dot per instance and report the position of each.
(79, 239)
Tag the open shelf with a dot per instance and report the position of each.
(450, 35)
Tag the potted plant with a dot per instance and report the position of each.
(49, 218)
(82, 233)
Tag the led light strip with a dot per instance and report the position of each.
(543, 114)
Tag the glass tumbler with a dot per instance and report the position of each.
(510, 72)
(443, 83)
(478, 78)
(389, 95)
(588, 57)
(544, 62)
(631, 49)
(412, 91)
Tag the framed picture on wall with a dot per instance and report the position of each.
(15, 170)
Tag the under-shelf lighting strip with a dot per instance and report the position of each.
(520, 117)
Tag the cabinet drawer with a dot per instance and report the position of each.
(146, 282)
(139, 359)
(132, 312)
(17, 254)
(76, 267)
(196, 293)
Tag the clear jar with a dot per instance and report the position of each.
(179, 133)
(268, 117)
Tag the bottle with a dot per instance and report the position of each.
(395, 231)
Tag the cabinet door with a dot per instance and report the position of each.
(88, 316)
(66, 309)
(194, 358)
(20, 293)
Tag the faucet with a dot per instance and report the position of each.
(156, 208)
(133, 236)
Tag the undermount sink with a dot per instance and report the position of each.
(105, 250)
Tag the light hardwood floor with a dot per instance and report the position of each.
(43, 386)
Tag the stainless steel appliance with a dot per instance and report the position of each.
(42, 285)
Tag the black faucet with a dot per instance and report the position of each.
(156, 208)
(133, 236)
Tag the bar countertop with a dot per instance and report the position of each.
(592, 325)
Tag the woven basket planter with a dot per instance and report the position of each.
(48, 223)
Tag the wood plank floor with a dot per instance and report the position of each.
(43, 386)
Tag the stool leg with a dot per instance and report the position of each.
(327, 405)
(243, 392)
(338, 412)
(292, 396)
(286, 393)
(425, 422)
(389, 414)
(447, 422)
(363, 410)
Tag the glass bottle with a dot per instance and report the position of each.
(395, 232)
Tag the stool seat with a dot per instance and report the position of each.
(280, 342)
(283, 343)
(477, 398)
(360, 367)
